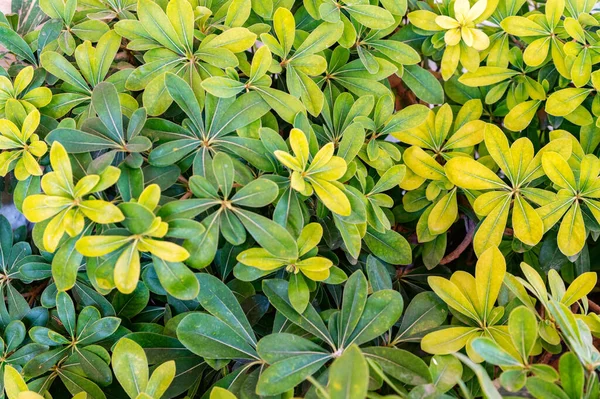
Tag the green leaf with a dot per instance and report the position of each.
(270, 235)
(130, 366)
(287, 373)
(390, 246)
(353, 304)
(298, 292)
(15, 44)
(176, 278)
(322, 37)
(280, 346)
(65, 264)
(105, 100)
(277, 292)
(209, 337)
(425, 86)
(349, 375)
(542, 389)
(382, 311)
(572, 376)
(58, 66)
(493, 353)
(219, 301)
(523, 329)
(158, 25)
(400, 364)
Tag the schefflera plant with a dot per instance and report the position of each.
(439, 139)
(303, 271)
(21, 147)
(471, 300)
(21, 91)
(318, 175)
(521, 167)
(142, 232)
(65, 205)
(227, 215)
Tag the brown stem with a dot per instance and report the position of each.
(35, 292)
(470, 227)
(545, 358)
(186, 195)
(594, 307)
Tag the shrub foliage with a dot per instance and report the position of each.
(320, 199)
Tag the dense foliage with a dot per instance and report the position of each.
(320, 199)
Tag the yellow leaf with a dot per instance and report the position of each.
(487, 202)
(420, 135)
(443, 214)
(559, 171)
(492, 228)
(580, 287)
(322, 157)
(554, 11)
(561, 146)
(31, 165)
(450, 61)
(24, 77)
(316, 268)
(74, 222)
(521, 26)
(127, 270)
(588, 173)
(38, 148)
(299, 145)
(466, 283)
(85, 185)
(571, 234)
(424, 19)
(449, 340)
(260, 258)
(10, 130)
(54, 231)
(59, 159)
(537, 52)
(30, 124)
(100, 245)
(150, 196)
(289, 160)
(423, 164)
(497, 146)
(522, 153)
(39, 207)
(101, 211)
(411, 181)
(443, 123)
(331, 171)
(565, 101)
(470, 134)
(535, 281)
(452, 295)
(235, 40)
(108, 177)
(297, 182)
(13, 382)
(309, 237)
(52, 185)
(472, 175)
(32, 395)
(521, 115)
(165, 250)
(489, 274)
(333, 198)
(527, 224)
